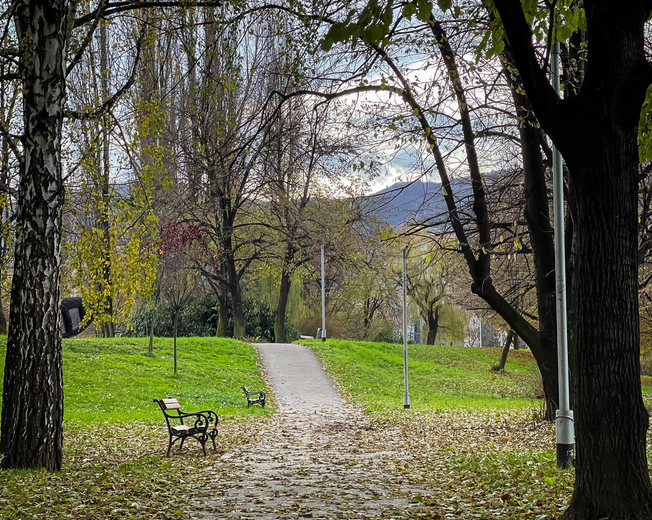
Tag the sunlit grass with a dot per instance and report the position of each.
(440, 377)
(109, 380)
(115, 436)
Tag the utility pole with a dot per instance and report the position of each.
(406, 394)
(564, 424)
(323, 297)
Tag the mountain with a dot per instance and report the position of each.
(410, 202)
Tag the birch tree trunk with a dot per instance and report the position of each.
(32, 408)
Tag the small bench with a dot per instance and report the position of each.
(198, 425)
(254, 397)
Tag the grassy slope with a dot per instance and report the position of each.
(116, 379)
(441, 377)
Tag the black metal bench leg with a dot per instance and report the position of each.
(169, 445)
(173, 439)
(183, 439)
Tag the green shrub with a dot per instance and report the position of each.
(382, 332)
(199, 318)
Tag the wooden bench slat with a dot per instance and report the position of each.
(171, 404)
(182, 428)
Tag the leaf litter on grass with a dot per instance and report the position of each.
(466, 465)
(487, 464)
(475, 465)
(118, 471)
(402, 465)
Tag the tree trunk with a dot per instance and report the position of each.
(537, 217)
(366, 321)
(108, 328)
(611, 421)
(3, 319)
(176, 325)
(596, 132)
(230, 270)
(151, 335)
(433, 324)
(32, 401)
(371, 305)
(235, 292)
(239, 327)
(222, 316)
(280, 335)
(503, 358)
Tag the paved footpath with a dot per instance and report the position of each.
(321, 457)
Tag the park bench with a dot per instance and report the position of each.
(254, 397)
(198, 425)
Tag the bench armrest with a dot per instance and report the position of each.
(212, 416)
(202, 419)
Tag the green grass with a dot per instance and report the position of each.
(440, 377)
(109, 380)
(115, 436)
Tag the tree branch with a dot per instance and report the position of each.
(542, 96)
(112, 8)
(108, 104)
(88, 38)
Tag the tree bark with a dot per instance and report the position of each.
(366, 320)
(505, 353)
(280, 335)
(176, 325)
(612, 478)
(371, 306)
(239, 327)
(433, 324)
(32, 412)
(225, 215)
(151, 335)
(597, 132)
(235, 291)
(108, 328)
(537, 217)
(222, 312)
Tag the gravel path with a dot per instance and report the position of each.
(320, 458)
(299, 382)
